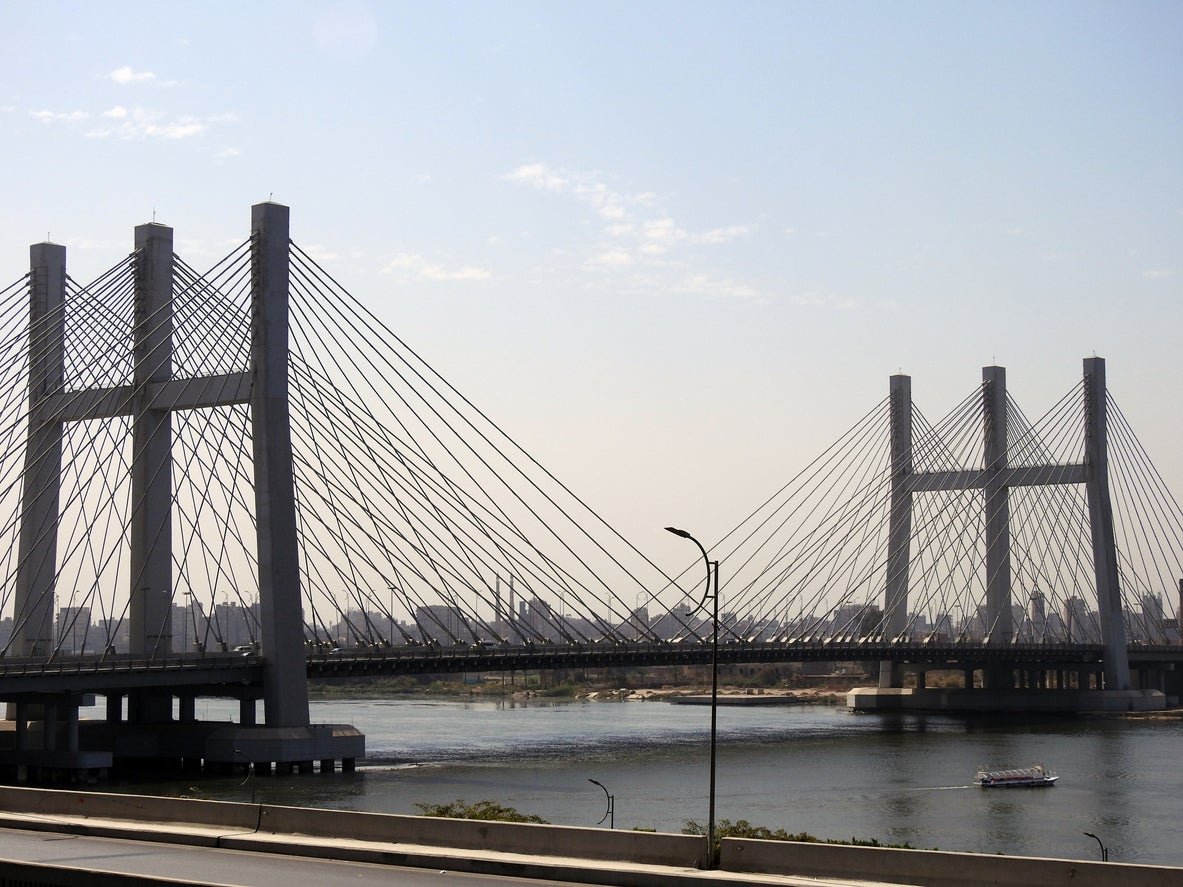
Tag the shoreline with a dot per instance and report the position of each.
(690, 694)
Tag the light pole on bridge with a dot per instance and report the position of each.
(610, 813)
(1104, 849)
(712, 569)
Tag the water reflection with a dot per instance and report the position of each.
(806, 768)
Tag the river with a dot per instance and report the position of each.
(812, 768)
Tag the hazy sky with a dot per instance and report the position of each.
(674, 248)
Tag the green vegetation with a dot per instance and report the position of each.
(489, 811)
(578, 683)
(412, 685)
(741, 828)
(563, 691)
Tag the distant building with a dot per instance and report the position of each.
(73, 630)
(1036, 617)
(114, 632)
(441, 623)
(1148, 625)
(942, 627)
(234, 625)
(674, 623)
(637, 623)
(1080, 623)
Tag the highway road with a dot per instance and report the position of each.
(210, 866)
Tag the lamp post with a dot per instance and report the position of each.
(610, 814)
(250, 772)
(1104, 849)
(712, 567)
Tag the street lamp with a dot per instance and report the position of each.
(712, 567)
(610, 814)
(1104, 849)
(250, 772)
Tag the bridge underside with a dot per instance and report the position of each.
(90, 749)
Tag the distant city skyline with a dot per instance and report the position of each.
(235, 627)
(673, 249)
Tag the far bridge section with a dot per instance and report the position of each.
(1020, 563)
(1080, 663)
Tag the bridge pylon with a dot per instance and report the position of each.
(995, 478)
(150, 399)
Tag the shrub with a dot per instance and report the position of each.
(489, 811)
(741, 828)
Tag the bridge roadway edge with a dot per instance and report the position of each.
(523, 850)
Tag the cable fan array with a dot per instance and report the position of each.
(420, 521)
(811, 561)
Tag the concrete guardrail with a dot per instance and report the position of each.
(135, 808)
(934, 868)
(346, 834)
(192, 821)
(645, 848)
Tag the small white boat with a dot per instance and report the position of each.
(1035, 775)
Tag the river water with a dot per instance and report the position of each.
(811, 768)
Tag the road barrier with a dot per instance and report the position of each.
(567, 853)
(933, 868)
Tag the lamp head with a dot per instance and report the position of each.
(678, 532)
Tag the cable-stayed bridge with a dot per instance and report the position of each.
(221, 482)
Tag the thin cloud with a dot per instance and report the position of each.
(719, 288)
(624, 213)
(538, 175)
(638, 236)
(47, 117)
(613, 258)
(126, 74)
(145, 123)
(1157, 274)
(415, 267)
(724, 235)
(660, 235)
(321, 253)
(582, 186)
(125, 123)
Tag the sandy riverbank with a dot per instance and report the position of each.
(818, 695)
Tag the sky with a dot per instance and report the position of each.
(675, 249)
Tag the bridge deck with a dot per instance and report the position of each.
(239, 676)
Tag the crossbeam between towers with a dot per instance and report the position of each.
(995, 479)
(153, 394)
